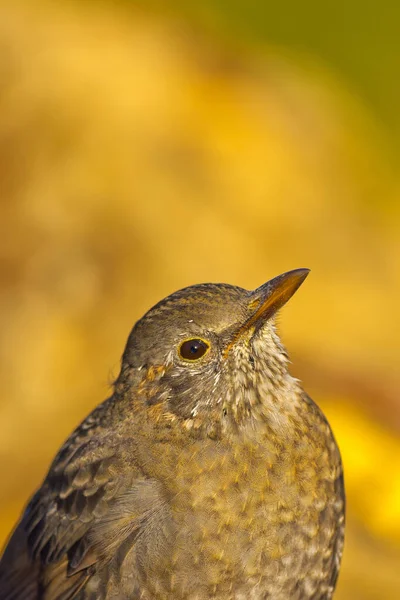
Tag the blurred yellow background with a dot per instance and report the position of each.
(144, 148)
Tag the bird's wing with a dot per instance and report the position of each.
(340, 506)
(339, 533)
(77, 521)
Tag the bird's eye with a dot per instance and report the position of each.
(193, 349)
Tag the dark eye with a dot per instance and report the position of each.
(193, 349)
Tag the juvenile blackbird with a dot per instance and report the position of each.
(208, 474)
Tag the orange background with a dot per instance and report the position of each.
(143, 150)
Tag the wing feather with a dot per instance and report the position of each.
(55, 549)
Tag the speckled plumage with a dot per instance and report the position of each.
(216, 478)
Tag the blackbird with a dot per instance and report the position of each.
(208, 474)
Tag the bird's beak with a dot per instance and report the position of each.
(266, 300)
(271, 296)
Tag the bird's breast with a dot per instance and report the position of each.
(253, 515)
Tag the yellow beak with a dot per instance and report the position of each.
(268, 299)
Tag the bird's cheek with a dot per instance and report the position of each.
(182, 396)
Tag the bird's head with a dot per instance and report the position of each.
(209, 355)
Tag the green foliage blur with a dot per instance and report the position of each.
(357, 40)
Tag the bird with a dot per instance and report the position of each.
(207, 474)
